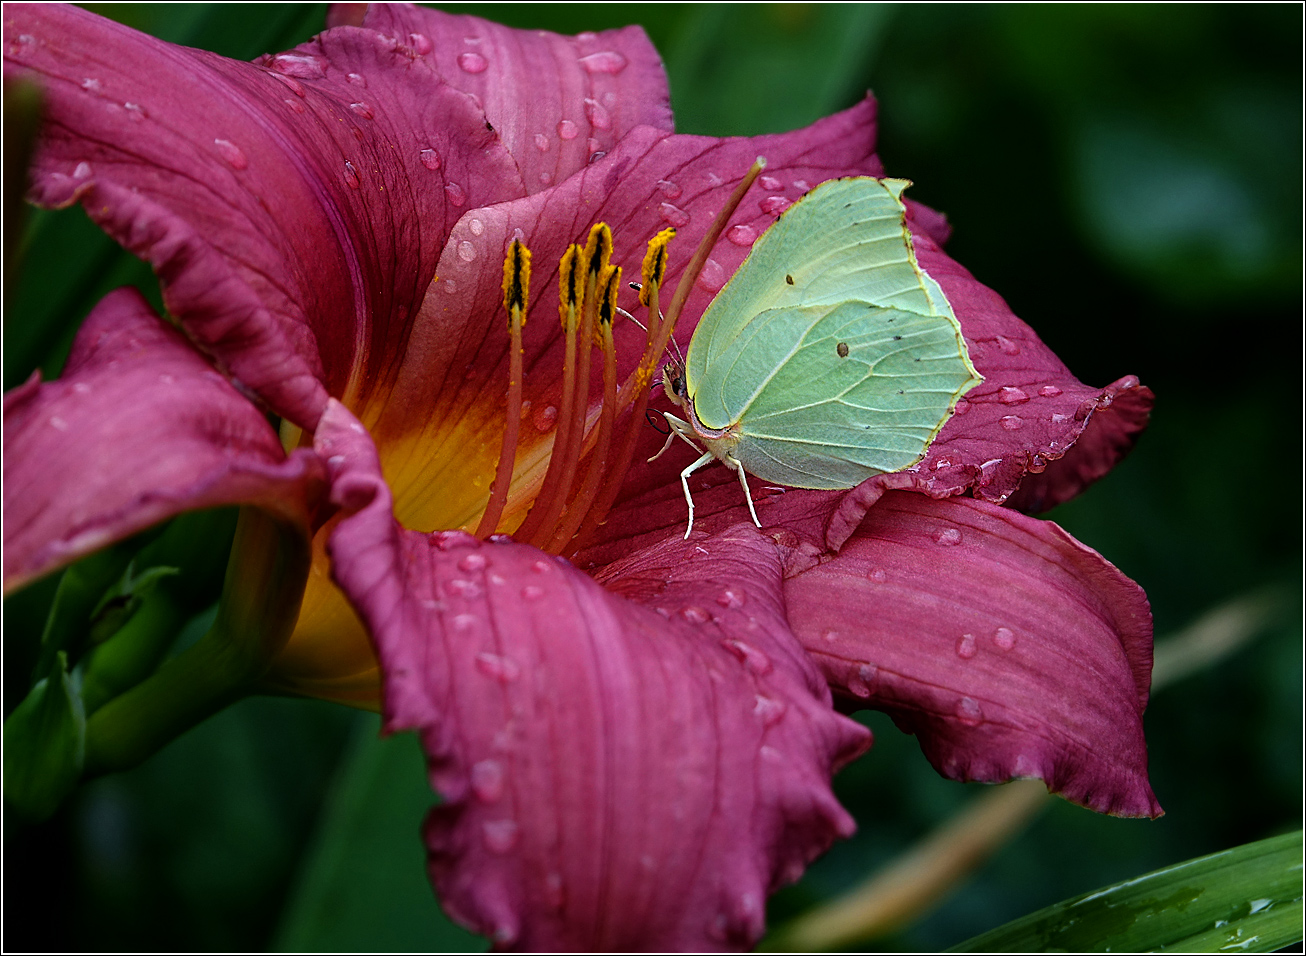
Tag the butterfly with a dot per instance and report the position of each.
(829, 357)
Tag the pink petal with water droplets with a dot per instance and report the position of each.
(1005, 645)
(137, 429)
(613, 778)
(529, 81)
(296, 275)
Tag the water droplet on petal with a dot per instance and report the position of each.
(669, 189)
(774, 205)
(1049, 391)
(1011, 422)
(1036, 465)
(82, 171)
(609, 99)
(91, 84)
(545, 178)
(545, 418)
(295, 105)
(464, 622)
(541, 567)
(598, 114)
(605, 61)
(541, 142)
(877, 575)
(450, 286)
(421, 43)
(430, 159)
(455, 193)
(673, 215)
(500, 835)
(754, 659)
(567, 129)
(231, 153)
(351, 175)
(1004, 638)
(487, 780)
(299, 64)
(1058, 418)
(695, 615)
(58, 424)
(1007, 346)
(358, 79)
(948, 537)
(291, 83)
(713, 180)
(472, 562)
(502, 669)
(969, 712)
(466, 251)
(742, 235)
(135, 111)
(532, 592)
(713, 276)
(770, 183)
(471, 62)
(730, 598)
(476, 226)
(858, 688)
(802, 185)
(962, 407)
(81, 388)
(769, 711)
(459, 587)
(1012, 396)
(595, 148)
(361, 109)
(966, 646)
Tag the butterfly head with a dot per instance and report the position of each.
(673, 381)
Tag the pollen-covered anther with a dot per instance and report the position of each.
(571, 285)
(654, 267)
(598, 251)
(611, 284)
(517, 280)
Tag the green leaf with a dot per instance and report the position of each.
(364, 886)
(44, 745)
(1248, 899)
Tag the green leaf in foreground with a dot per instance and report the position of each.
(1248, 899)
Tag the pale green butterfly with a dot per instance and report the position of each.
(829, 356)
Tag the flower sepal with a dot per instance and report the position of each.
(44, 745)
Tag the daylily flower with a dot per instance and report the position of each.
(633, 734)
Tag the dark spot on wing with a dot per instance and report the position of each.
(842, 349)
(789, 278)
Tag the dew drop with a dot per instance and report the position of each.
(948, 537)
(673, 215)
(567, 129)
(459, 587)
(1011, 422)
(868, 673)
(532, 592)
(877, 575)
(1036, 465)
(969, 712)
(135, 112)
(292, 84)
(450, 286)
(295, 105)
(769, 711)
(487, 780)
(605, 61)
(1058, 418)
(587, 36)
(361, 109)
(1049, 391)
(858, 688)
(802, 185)
(502, 669)
(545, 418)
(430, 159)
(472, 562)
(231, 153)
(595, 149)
(466, 251)
(695, 615)
(1004, 638)
(1007, 346)
(58, 424)
(541, 142)
(966, 646)
(774, 205)
(500, 835)
(471, 62)
(464, 622)
(358, 79)
(455, 193)
(742, 235)
(713, 276)
(476, 226)
(669, 189)
(962, 407)
(351, 175)
(1012, 396)
(81, 388)
(598, 114)
(609, 99)
(541, 567)
(730, 599)
(91, 85)
(713, 180)
(545, 178)
(770, 183)
(421, 43)
(82, 171)
(299, 64)
(755, 660)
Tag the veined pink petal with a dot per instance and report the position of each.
(613, 778)
(556, 101)
(137, 429)
(293, 209)
(1005, 645)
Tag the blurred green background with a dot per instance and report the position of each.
(1127, 176)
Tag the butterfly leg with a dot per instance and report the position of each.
(684, 483)
(748, 496)
(677, 428)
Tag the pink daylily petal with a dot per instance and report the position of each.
(614, 779)
(555, 101)
(138, 429)
(293, 209)
(1008, 647)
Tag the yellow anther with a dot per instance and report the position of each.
(571, 285)
(654, 268)
(598, 249)
(517, 280)
(608, 300)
